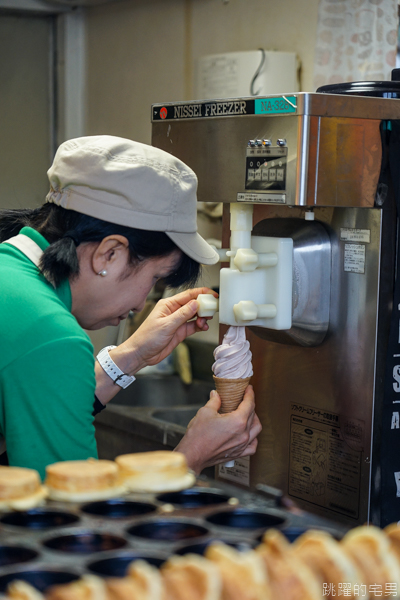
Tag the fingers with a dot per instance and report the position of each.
(247, 406)
(214, 401)
(183, 314)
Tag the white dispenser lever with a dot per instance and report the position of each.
(208, 305)
(246, 310)
(247, 260)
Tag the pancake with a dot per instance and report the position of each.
(191, 576)
(393, 533)
(244, 576)
(329, 562)
(147, 578)
(158, 471)
(124, 588)
(21, 590)
(370, 549)
(289, 577)
(20, 488)
(83, 480)
(89, 587)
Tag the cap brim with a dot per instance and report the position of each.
(195, 246)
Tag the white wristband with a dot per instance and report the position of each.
(119, 377)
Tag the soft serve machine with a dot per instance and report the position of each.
(309, 234)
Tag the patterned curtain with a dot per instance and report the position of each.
(356, 41)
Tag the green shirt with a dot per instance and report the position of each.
(47, 380)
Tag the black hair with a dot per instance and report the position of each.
(66, 229)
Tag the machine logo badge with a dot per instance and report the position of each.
(163, 112)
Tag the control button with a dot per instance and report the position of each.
(258, 143)
(250, 174)
(272, 175)
(267, 143)
(280, 174)
(281, 142)
(251, 143)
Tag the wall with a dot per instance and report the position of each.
(145, 51)
(25, 108)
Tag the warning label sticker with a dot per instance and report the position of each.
(354, 258)
(240, 472)
(325, 459)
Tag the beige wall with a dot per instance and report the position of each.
(145, 51)
(25, 109)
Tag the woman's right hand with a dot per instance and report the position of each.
(212, 438)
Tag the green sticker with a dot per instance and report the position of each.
(276, 105)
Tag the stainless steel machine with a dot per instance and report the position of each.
(309, 248)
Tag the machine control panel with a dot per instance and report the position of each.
(266, 165)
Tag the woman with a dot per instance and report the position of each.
(119, 217)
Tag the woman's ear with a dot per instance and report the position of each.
(112, 253)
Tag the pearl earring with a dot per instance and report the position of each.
(103, 273)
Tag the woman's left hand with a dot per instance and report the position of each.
(171, 321)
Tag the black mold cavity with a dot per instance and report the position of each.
(39, 519)
(85, 543)
(118, 509)
(245, 519)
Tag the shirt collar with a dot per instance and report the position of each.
(63, 291)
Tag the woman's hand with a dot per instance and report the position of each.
(212, 438)
(170, 322)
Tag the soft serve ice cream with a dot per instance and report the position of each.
(233, 356)
(232, 368)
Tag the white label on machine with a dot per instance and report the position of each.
(347, 234)
(240, 473)
(325, 459)
(262, 198)
(354, 258)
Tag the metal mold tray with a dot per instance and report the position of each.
(61, 541)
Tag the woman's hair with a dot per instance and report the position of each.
(66, 229)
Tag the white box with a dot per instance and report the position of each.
(245, 74)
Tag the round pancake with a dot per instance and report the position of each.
(158, 471)
(20, 488)
(82, 480)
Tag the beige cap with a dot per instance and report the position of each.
(132, 184)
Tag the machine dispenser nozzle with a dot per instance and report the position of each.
(256, 289)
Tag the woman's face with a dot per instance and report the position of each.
(99, 301)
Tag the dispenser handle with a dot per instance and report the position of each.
(208, 305)
(247, 310)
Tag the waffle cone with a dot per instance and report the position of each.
(231, 392)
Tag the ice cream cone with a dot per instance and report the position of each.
(231, 392)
